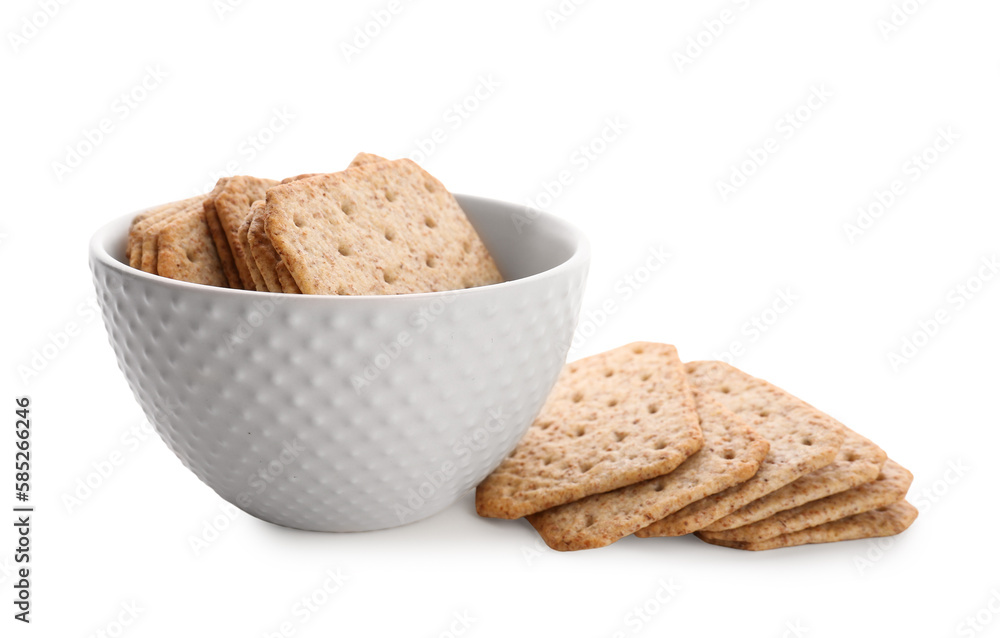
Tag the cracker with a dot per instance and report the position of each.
(272, 270)
(296, 178)
(884, 521)
(731, 454)
(149, 252)
(378, 228)
(259, 265)
(244, 239)
(359, 160)
(134, 237)
(219, 236)
(802, 439)
(231, 207)
(366, 158)
(185, 250)
(263, 253)
(271, 264)
(613, 419)
(285, 279)
(142, 221)
(858, 462)
(889, 486)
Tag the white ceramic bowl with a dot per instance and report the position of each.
(349, 413)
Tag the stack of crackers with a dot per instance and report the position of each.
(379, 227)
(632, 441)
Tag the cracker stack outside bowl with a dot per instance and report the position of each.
(360, 409)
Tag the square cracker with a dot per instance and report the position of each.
(366, 158)
(378, 228)
(219, 235)
(890, 486)
(731, 454)
(858, 462)
(802, 439)
(613, 419)
(142, 221)
(359, 160)
(884, 521)
(148, 251)
(259, 264)
(185, 250)
(274, 273)
(285, 278)
(230, 207)
(262, 252)
(244, 239)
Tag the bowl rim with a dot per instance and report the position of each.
(579, 258)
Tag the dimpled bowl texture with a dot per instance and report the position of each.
(349, 413)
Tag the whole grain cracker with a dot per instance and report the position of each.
(272, 270)
(244, 239)
(888, 487)
(731, 454)
(366, 158)
(149, 250)
(802, 439)
(284, 276)
(263, 253)
(135, 238)
(231, 206)
(142, 221)
(613, 419)
(359, 160)
(884, 521)
(257, 260)
(296, 178)
(219, 235)
(285, 279)
(858, 462)
(379, 228)
(185, 250)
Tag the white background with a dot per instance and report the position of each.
(687, 125)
